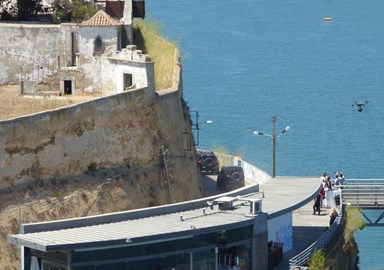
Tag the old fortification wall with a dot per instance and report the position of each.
(127, 129)
(30, 51)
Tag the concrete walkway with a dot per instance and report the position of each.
(307, 228)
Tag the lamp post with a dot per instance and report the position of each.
(273, 136)
(195, 126)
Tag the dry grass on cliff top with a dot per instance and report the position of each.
(148, 39)
(14, 104)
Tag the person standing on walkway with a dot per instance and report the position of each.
(336, 181)
(341, 179)
(333, 216)
(328, 183)
(322, 196)
(323, 179)
(316, 204)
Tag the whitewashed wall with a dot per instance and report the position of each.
(280, 231)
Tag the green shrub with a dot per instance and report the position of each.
(317, 261)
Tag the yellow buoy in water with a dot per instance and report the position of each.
(327, 19)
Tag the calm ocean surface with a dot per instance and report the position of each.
(245, 60)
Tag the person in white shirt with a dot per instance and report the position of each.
(324, 179)
(341, 179)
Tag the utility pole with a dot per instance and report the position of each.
(196, 127)
(274, 118)
(164, 154)
(274, 138)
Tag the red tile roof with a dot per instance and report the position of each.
(101, 19)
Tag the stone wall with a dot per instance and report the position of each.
(29, 51)
(124, 129)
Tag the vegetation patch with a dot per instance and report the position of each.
(72, 11)
(220, 149)
(317, 261)
(354, 221)
(147, 38)
(341, 257)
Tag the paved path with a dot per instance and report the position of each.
(307, 228)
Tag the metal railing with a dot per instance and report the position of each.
(301, 260)
(364, 181)
(364, 193)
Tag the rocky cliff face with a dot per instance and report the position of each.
(344, 258)
(95, 192)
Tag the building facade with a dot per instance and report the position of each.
(73, 58)
(227, 232)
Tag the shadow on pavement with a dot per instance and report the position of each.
(209, 185)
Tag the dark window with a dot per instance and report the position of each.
(99, 45)
(75, 47)
(127, 80)
(138, 9)
(121, 253)
(67, 87)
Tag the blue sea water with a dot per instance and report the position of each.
(244, 61)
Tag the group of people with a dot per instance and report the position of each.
(327, 184)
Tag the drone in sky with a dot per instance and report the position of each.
(360, 105)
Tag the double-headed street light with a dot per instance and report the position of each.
(273, 136)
